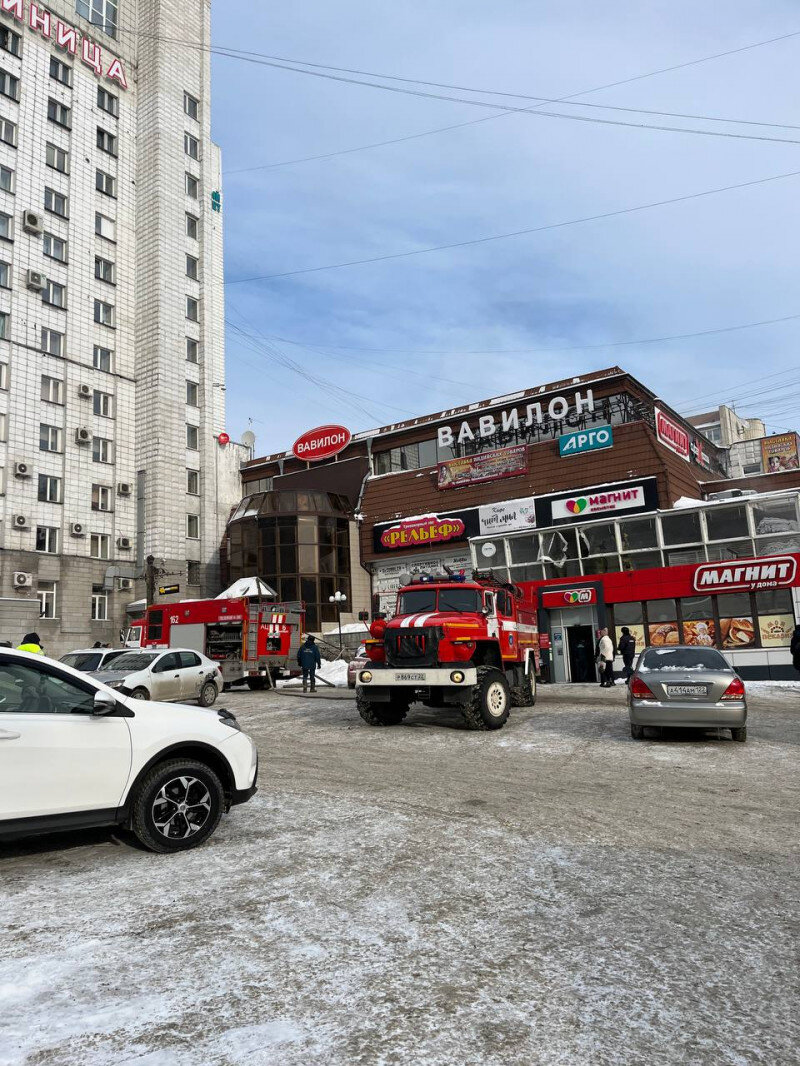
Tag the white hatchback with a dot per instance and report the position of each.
(76, 754)
(175, 675)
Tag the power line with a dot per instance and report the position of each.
(729, 390)
(514, 233)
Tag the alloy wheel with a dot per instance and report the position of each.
(181, 808)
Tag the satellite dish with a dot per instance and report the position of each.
(248, 438)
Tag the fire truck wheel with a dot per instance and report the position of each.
(208, 694)
(255, 684)
(381, 713)
(491, 700)
(524, 694)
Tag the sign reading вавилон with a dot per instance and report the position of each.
(510, 420)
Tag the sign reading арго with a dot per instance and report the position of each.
(586, 440)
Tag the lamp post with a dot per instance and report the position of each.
(338, 598)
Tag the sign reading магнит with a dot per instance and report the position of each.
(770, 572)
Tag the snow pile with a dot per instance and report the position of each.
(351, 627)
(248, 586)
(771, 688)
(334, 673)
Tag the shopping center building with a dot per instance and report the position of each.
(595, 496)
(111, 310)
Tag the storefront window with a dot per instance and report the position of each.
(736, 628)
(741, 549)
(681, 528)
(641, 561)
(558, 546)
(601, 564)
(662, 619)
(727, 523)
(638, 533)
(698, 622)
(775, 618)
(566, 568)
(776, 516)
(531, 572)
(524, 549)
(684, 556)
(598, 540)
(789, 542)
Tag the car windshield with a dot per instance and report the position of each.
(682, 659)
(137, 660)
(468, 600)
(417, 600)
(82, 660)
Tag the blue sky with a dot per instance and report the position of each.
(368, 345)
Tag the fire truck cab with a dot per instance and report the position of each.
(467, 644)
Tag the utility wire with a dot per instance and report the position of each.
(515, 233)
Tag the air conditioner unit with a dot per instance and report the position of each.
(19, 521)
(125, 584)
(124, 543)
(32, 222)
(22, 469)
(23, 581)
(83, 435)
(124, 488)
(35, 280)
(85, 392)
(77, 529)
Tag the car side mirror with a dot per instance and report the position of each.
(104, 704)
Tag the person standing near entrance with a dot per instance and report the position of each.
(605, 648)
(627, 649)
(308, 659)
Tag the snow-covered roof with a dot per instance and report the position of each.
(248, 586)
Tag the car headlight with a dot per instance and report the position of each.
(365, 677)
(228, 719)
(115, 684)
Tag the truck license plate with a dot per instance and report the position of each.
(687, 690)
(409, 677)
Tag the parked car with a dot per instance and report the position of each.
(690, 687)
(75, 754)
(175, 675)
(359, 663)
(88, 659)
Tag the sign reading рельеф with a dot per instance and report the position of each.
(518, 419)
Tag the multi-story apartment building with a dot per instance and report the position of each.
(111, 309)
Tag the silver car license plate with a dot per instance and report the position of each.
(687, 690)
(409, 677)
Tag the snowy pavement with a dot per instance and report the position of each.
(553, 893)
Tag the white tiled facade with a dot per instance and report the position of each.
(142, 396)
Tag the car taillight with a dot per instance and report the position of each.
(734, 691)
(640, 691)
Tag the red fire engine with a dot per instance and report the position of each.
(246, 637)
(472, 645)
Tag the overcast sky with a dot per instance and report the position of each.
(705, 264)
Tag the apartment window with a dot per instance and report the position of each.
(191, 146)
(105, 183)
(102, 450)
(9, 86)
(6, 179)
(99, 604)
(192, 572)
(102, 13)
(3, 435)
(100, 545)
(192, 350)
(193, 526)
(5, 275)
(191, 267)
(106, 141)
(101, 498)
(54, 294)
(192, 184)
(49, 489)
(102, 358)
(54, 247)
(60, 71)
(107, 102)
(192, 309)
(3, 376)
(47, 539)
(8, 132)
(46, 593)
(104, 269)
(56, 203)
(193, 482)
(57, 158)
(52, 342)
(191, 106)
(192, 394)
(52, 389)
(103, 404)
(105, 227)
(192, 226)
(103, 313)
(50, 438)
(4, 320)
(192, 438)
(59, 113)
(6, 231)
(10, 42)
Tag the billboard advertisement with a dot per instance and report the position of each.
(483, 466)
(506, 516)
(780, 452)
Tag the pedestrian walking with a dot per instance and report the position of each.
(605, 649)
(30, 642)
(794, 647)
(308, 659)
(627, 649)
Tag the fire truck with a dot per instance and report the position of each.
(248, 638)
(466, 644)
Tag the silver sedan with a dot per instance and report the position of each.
(689, 687)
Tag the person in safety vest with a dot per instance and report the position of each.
(30, 642)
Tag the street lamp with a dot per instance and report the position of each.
(338, 598)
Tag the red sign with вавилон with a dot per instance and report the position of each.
(423, 531)
(321, 443)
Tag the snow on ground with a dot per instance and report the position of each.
(335, 673)
(350, 627)
(553, 894)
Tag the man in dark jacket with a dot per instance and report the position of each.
(794, 647)
(308, 659)
(627, 649)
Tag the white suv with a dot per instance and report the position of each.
(76, 754)
(174, 675)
